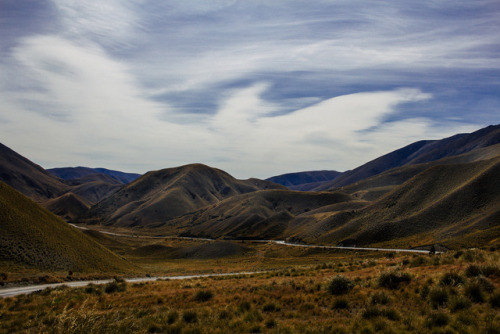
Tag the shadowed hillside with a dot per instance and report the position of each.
(159, 196)
(444, 202)
(32, 236)
(27, 177)
(259, 215)
(70, 173)
(419, 152)
(304, 180)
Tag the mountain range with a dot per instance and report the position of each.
(432, 191)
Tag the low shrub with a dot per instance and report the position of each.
(474, 292)
(452, 279)
(340, 285)
(438, 319)
(340, 304)
(203, 295)
(190, 317)
(438, 297)
(458, 303)
(380, 298)
(472, 270)
(374, 311)
(495, 300)
(393, 279)
(172, 317)
(115, 286)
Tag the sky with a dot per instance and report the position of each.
(256, 88)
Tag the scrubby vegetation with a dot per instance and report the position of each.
(373, 295)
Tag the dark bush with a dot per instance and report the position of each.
(474, 292)
(271, 323)
(172, 317)
(495, 300)
(203, 295)
(438, 297)
(391, 280)
(438, 319)
(451, 279)
(115, 286)
(380, 298)
(190, 317)
(472, 270)
(459, 303)
(340, 285)
(341, 304)
(270, 307)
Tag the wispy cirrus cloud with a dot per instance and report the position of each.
(254, 87)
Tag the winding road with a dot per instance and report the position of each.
(20, 290)
(14, 291)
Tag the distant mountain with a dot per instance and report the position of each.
(304, 180)
(418, 152)
(29, 178)
(159, 196)
(34, 237)
(70, 173)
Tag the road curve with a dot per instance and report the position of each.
(278, 242)
(21, 290)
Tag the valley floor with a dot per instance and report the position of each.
(456, 292)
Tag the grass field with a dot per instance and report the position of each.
(456, 292)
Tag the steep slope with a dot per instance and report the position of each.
(419, 152)
(32, 236)
(444, 202)
(159, 196)
(27, 177)
(304, 180)
(68, 206)
(262, 214)
(374, 187)
(70, 173)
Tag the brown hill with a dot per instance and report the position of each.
(304, 180)
(376, 186)
(71, 173)
(32, 236)
(263, 214)
(444, 202)
(27, 177)
(419, 152)
(159, 196)
(94, 187)
(68, 206)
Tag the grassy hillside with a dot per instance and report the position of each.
(262, 215)
(444, 202)
(71, 173)
(162, 195)
(32, 236)
(419, 152)
(27, 177)
(304, 180)
(68, 206)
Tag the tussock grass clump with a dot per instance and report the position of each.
(495, 300)
(118, 285)
(375, 311)
(437, 319)
(459, 303)
(190, 317)
(393, 279)
(203, 295)
(451, 279)
(474, 270)
(341, 304)
(340, 285)
(380, 298)
(475, 289)
(438, 297)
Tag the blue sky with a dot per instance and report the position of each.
(256, 88)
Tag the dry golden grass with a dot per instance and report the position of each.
(294, 300)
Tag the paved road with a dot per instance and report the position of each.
(20, 290)
(278, 242)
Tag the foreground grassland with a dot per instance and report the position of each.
(457, 292)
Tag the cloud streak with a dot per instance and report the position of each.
(256, 88)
